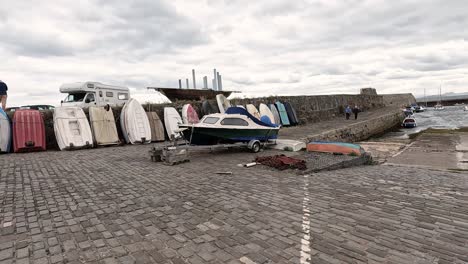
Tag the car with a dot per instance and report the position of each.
(38, 107)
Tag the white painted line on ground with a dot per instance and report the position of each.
(305, 241)
(404, 149)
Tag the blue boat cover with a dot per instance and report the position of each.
(242, 111)
(265, 119)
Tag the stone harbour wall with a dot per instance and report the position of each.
(311, 109)
(362, 130)
(398, 100)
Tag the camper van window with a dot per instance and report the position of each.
(75, 97)
(100, 93)
(90, 97)
(123, 96)
(234, 122)
(109, 94)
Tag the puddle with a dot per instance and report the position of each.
(462, 160)
(462, 152)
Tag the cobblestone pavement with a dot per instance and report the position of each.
(113, 205)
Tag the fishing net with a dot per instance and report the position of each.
(282, 162)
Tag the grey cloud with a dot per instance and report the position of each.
(129, 28)
(261, 47)
(29, 43)
(144, 27)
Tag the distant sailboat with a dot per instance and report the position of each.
(439, 105)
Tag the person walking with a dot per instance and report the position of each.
(348, 112)
(356, 111)
(3, 94)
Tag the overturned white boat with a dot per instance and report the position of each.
(71, 128)
(103, 126)
(134, 123)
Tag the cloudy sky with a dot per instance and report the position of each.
(263, 47)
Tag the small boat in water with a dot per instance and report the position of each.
(334, 147)
(408, 111)
(234, 126)
(439, 107)
(409, 122)
(419, 109)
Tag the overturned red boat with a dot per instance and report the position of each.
(28, 131)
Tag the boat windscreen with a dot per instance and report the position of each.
(210, 120)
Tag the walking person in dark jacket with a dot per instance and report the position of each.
(356, 111)
(3, 94)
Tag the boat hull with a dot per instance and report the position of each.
(408, 125)
(213, 136)
(28, 131)
(334, 147)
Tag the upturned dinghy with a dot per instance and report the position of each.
(283, 114)
(172, 120)
(28, 131)
(253, 111)
(5, 132)
(276, 115)
(223, 103)
(189, 115)
(71, 128)
(103, 126)
(157, 128)
(265, 111)
(334, 147)
(135, 124)
(292, 116)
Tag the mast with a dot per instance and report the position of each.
(425, 99)
(440, 93)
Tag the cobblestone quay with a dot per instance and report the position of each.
(113, 205)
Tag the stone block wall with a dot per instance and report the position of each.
(362, 130)
(398, 100)
(311, 109)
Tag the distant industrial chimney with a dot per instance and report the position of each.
(220, 83)
(194, 82)
(215, 79)
(205, 82)
(187, 83)
(180, 84)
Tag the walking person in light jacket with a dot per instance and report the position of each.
(348, 112)
(3, 94)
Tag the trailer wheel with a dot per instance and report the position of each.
(255, 146)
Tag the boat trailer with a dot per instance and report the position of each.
(175, 153)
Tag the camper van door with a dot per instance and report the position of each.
(90, 99)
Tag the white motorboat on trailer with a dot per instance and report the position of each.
(236, 125)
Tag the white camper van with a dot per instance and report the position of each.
(86, 94)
